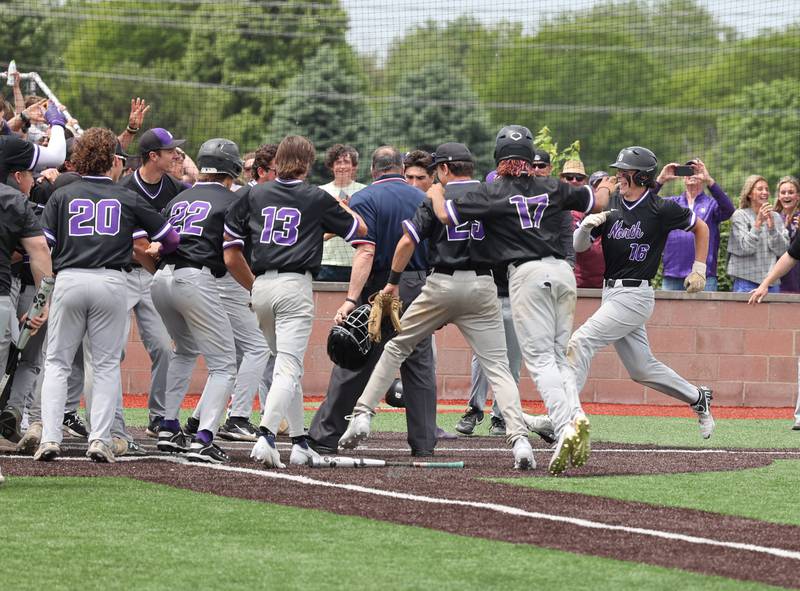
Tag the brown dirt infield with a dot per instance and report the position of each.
(483, 461)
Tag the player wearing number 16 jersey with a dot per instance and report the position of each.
(523, 218)
(90, 224)
(285, 221)
(186, 295)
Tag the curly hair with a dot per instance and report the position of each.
(94, 154)
(337, 151)
(514, 167)
(262, 158)
(419, 158)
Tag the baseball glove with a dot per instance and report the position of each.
(383, 304)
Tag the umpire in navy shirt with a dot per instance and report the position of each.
(384, 205)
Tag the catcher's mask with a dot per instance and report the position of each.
(349, 343)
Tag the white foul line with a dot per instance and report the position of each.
(505, 509)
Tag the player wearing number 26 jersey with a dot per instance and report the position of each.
(284, 220)
(186, 295)
(523, 217)
(90, 224)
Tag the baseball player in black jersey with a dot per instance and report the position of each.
(90, 224)
(186, 295)
(152, 181)
(460, 290)
(634, 231)
(285, 221)
(19, 154)
(522, 215)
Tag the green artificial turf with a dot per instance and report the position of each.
(116, 533)
(768, 493)
(667, 431)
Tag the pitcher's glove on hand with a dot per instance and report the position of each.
(383, 304)
(696, 281)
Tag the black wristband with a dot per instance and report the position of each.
(394, 277)
(351, 300)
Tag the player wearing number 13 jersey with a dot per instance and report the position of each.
(284, 220)
(90, 224)
(634, 232)
(522, 215)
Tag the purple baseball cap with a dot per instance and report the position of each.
(158, 138)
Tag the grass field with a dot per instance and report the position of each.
(119, 533)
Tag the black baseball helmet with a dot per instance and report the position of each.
(349, 342)
(220, 156)
(513, 141)
(394, 395)
(642, 160)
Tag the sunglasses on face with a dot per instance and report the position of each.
(573, 177)
(540, 165)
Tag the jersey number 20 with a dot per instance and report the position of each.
(87, 217)
(280, 225)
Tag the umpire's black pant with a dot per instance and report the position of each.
(417, 374)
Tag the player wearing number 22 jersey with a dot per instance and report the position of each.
(90, 224)
(284, 221)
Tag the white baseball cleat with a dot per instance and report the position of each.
(100, 452)
(47, 451)
(303, 455)
(357, 431)
(563, 450)
(30, 441)
(523, 455)
(703, 409)
(265, 452)
(541, 425)
(582, 449)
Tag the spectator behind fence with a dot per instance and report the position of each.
(337, 255)
(758, 237)
(589, 264)
(713, 210)
(787, 196)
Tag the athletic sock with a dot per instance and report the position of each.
(205, 436)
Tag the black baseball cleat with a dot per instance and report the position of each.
(467, 423)
(172, 442)
(10, 421)
(703, 409)
(153, 427)
(192, 426)
(238, 429)
(208, 453)
(74, 425)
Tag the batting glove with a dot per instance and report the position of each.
(54, 116)
(596, 219)
(696, 281)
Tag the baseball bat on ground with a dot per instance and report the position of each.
(348, 462)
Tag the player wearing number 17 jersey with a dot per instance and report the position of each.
(523, 218)
(90, 224)
(186, 296)
(284, 221)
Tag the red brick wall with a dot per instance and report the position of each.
(747, 354)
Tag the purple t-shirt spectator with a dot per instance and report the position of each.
(790, 283)
(679, 250)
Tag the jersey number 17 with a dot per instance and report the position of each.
(524, 204)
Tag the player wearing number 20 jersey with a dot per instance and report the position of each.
(90, 224)
(284, 221)
(522, 215)
(186, 295)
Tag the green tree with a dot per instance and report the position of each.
(28, 36)
(325, 102)
(436, 108)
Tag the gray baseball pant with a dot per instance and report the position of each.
(284, 305)
(470, 302)
(6, 315)
(154, 336)
(620, 321)
(84, 301)
(479, 386)
(30, 362)
(188, 301)
(250, 345)
(543, 298)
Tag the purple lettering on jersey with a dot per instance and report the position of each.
(88, 218)
(281, 226)
(638, 252)
(187, 218)
(618, 231)
(465, 231)
(523, 205)
(81, 215)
